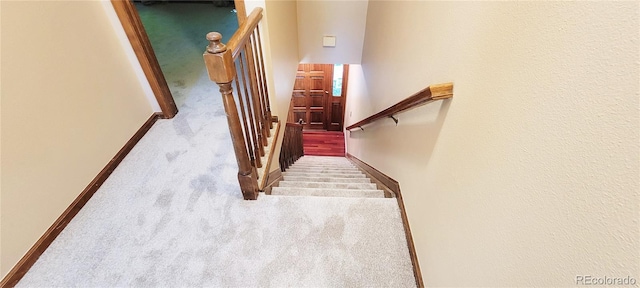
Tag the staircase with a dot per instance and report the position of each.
(360, 239)
(328, 177)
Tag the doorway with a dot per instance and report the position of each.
(176, 30)
(319, 96)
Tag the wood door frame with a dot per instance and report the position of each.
(345, 82)
(130, 20)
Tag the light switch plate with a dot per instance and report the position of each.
(329, 41)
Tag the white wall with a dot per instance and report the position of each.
(529, 176)
(344, 19)
(70, 101)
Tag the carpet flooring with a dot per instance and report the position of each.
(172, 215)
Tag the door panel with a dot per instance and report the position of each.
(317, 119)
(300, 115)
(336, 116)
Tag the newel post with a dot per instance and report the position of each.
(221, 69)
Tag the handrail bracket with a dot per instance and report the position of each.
(394, 119)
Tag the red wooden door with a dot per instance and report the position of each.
(310, 94)
(318, 98)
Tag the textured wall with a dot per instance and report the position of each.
(344, 19)
(529, 176)
(280, 46)
(70, 101)
(283, 38)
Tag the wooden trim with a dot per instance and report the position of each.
(241, 37)
(272, 180)
(134, 29)
(345, 86)
(429, 94)
(395, 187)
(385, 180)
(241, 11)
(388, 191)
(265, 180)
(21, 268)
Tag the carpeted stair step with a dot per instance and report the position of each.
(323, 167)
(332, 185)
(327, 192)
(327, 179)
(323, 171)
(307, 161)
(323, 175)
(323, 158)
(324, 163)
(310, 161)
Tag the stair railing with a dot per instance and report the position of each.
(240, 63)
(292, 148)
(427, 95)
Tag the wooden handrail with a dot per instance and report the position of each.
(240, 38)
(429, 94)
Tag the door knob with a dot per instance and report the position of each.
(326, 92)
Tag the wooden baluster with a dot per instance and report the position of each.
(300, 146)
(255, 161)
(260, 80)
(259, 150)
(289, 146)
(254, 93)
(264, 76)
(293, 146)
(285, 152)
(255, 129)
(221, 69)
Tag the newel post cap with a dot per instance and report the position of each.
(215, 46)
